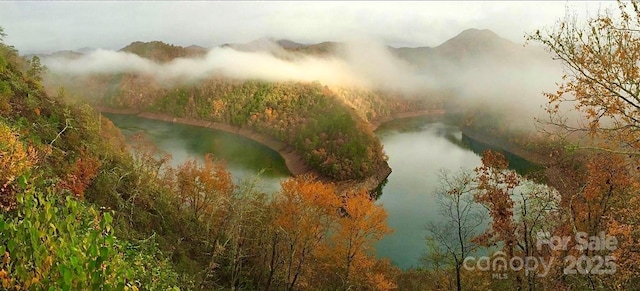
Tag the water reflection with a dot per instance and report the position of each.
(418, 148)
(244, 158)
(416, 153)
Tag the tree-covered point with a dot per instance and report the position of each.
(329, 136)
(332, 137)
(162, 52)
(81, 211)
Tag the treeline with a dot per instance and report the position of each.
(305, 237)
(162, 52)
(154, 226)
(327, 126)
(332, 138)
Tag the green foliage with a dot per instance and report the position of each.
(36, 69)
(159, 51)
(53, 239)
(331, 137)
(53, 242)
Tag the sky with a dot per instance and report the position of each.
(47, 26)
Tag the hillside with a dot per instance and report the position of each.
(331, 139)
(298, 113)
(327, 126)
(80, 210)
(54, 158)
(162, 52)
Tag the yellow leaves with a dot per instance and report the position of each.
(306, 207)
(218, 107)
(364, 222)
(7, 281)
(328, 234)
(379, 282)
(6, 259)
(15, 160)
(361, 226)
(202, 188)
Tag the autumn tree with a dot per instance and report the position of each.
(518, 211)
(604, 199)
(306, 214)
(202, 188)
(600, 81)
(597, 107)
(83, 171)
(15, 160)
(361, 225)
(461, 220)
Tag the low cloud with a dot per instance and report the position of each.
(365, 64)
(514, 85)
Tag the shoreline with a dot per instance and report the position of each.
(374, 124)
(293, 161)
(297, 166)
(512, 148)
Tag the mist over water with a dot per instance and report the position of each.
(377, 69)
(476, 77)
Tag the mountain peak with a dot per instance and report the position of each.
(474, 41)
(477, 32)
(289, 44)
(477, 37)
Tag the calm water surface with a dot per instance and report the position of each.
(245, 158)
(418, 148)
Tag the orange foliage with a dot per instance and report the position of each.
(15, 160)
(362, 225)
(82, 173)
(306, 213)
(202, 188)
(495, 187)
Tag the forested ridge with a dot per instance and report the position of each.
(329, 127)
(80, 209)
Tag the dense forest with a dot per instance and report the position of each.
(82, 209)
(79, 211)
(329, 127)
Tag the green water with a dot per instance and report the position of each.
(418, 148)
(244, 158)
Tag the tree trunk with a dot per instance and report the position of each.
(458, 283)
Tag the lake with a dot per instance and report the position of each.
(244, 158)
(418, 149)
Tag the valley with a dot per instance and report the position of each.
(318, 146)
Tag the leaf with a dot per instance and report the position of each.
(108, 219)
(22, 181)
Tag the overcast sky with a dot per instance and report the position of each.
(41, 26)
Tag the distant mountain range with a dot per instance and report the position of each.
(471, 49)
